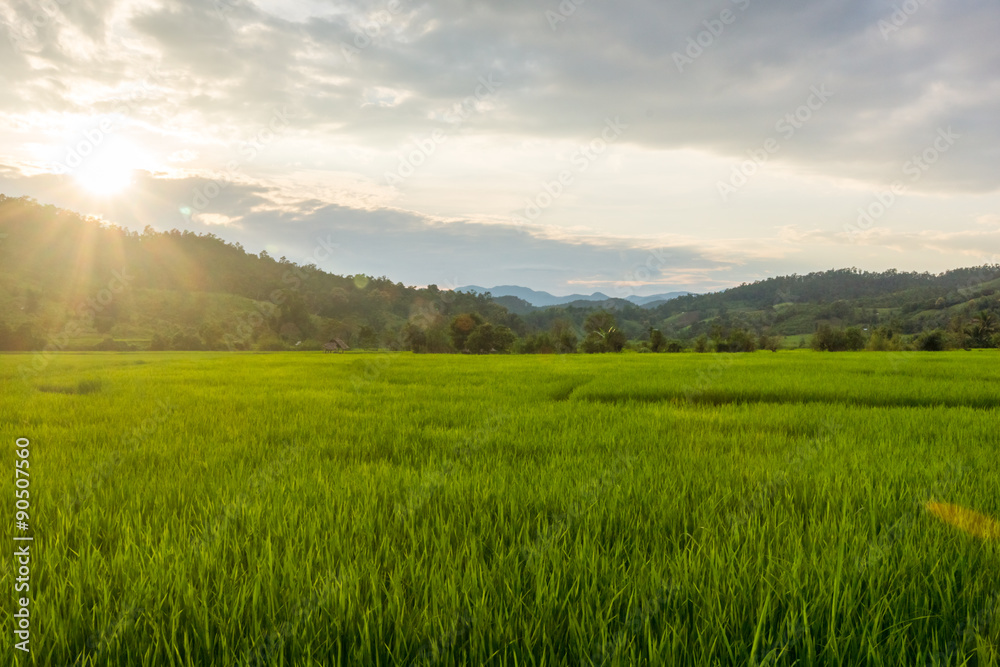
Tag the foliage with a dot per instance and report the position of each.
(198, 292)
(932, 341)
(830, 339)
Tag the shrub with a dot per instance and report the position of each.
(931, 341)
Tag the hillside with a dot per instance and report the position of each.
(74, 282)
(69, 282)
(903, 303)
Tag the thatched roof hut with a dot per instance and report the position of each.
(335, 345)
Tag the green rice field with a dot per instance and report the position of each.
(398, 509)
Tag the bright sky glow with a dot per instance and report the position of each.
(640, 147)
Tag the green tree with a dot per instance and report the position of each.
(932, 341)
(599, 321)
(367, 337)
(603, 334)
(462, 327)
(657, 341)
(614, 340)
(982, 329)
(414, 337)
(480, 341)
(593, 343)
(769, 341)
(503, 339)
(854, 339)
(740, 340)
(565, 338)
(211, 335)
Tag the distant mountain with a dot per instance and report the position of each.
(545, 300)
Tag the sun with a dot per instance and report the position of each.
(108, 171)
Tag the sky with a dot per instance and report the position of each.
(631, 148)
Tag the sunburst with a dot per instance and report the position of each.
(109, 171)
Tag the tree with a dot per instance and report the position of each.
(159, 343)
(614, 340)
(462, 327)
(438, 340)
(31, 300)
(186, 341)
(599, 321)
(538, 344)
(565, 338)
(295, 310)
(487, 338)
(982, 329)
(593, 343)
(25, 338)
(367, 337)
(480, 341)
(740, 340)
(211, 334)
(503, 339)
(828, 339)
(657, 341)
(414, 338)
(603, 334)
(931, 341)
(768, 341)
(854, 339)
(884, 339)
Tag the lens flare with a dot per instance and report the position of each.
(966, 520)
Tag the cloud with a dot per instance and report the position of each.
(234, 59)
(405, 245)
(195, 84)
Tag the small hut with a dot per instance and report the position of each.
(335, 345)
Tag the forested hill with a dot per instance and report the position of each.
(70, 282)
(888, 289)
(193, 291)
(897, 302)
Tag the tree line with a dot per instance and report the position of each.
(95, 285)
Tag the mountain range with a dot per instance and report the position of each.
(541, 299)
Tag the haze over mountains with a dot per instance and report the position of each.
(541, 299)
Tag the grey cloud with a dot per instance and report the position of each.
(227, 60)
(403, 245)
